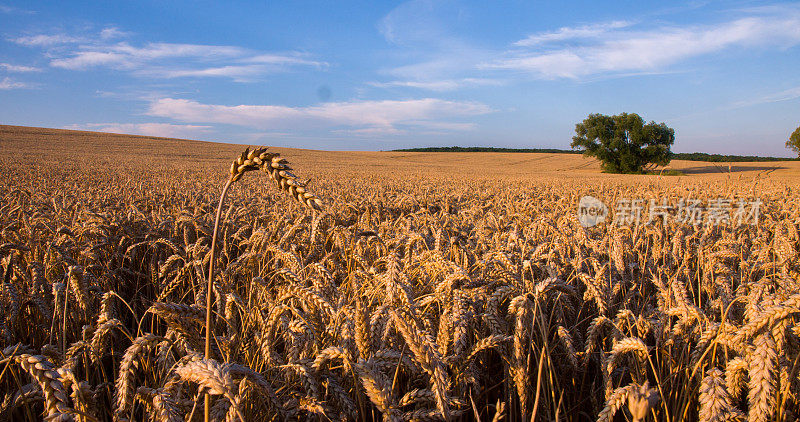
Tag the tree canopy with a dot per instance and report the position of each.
(794, 141)
(623, 143)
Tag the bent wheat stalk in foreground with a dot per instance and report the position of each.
(279, 171)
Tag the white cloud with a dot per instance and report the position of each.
(112, 32)
(167, 60)
(447, 126)
(8, 83)
(164, 130)
(437, 60)
(427, 34)
(162, 60)
(14, 68)
(785, 95)
(444, 66)
(15, 10)
(443, 85)
(612, 48)
(566, 33)
(46, 40)
(418, 22)
(388, 116)
(371, 131)
(240, 73)
(89, 59)
(124, 56)
(284, 59)
(438, 85)
(262, 65)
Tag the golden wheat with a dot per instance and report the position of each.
(431, 295)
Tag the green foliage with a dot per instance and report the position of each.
(794, 141)
(623, 143)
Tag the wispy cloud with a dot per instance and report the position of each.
(8, 83)
(238, 73)
(371, 117)
(567, 33)
(165, 130)
(420, 22)
(113, 32)
(125, 56)
(249, 69)
(15, 10)
(137, 93)
(426, 35)
(45, 40)
(785, 95)
(161, 60)
(284, 60)
(61, 39)
(439, 85)
(15, 68)
(618, 47)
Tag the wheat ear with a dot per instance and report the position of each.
(615, 401)
(44, 373)
(762, 379)
(715, 402)
(279, 171)
(212, 376)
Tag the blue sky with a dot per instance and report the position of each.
(382, 75)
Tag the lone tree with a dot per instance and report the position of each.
(623, 143)
(794, 141)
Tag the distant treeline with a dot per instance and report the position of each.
(690, 156)
(702, 156)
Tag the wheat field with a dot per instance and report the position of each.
(426, 286)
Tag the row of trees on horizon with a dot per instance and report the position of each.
(625, 144)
